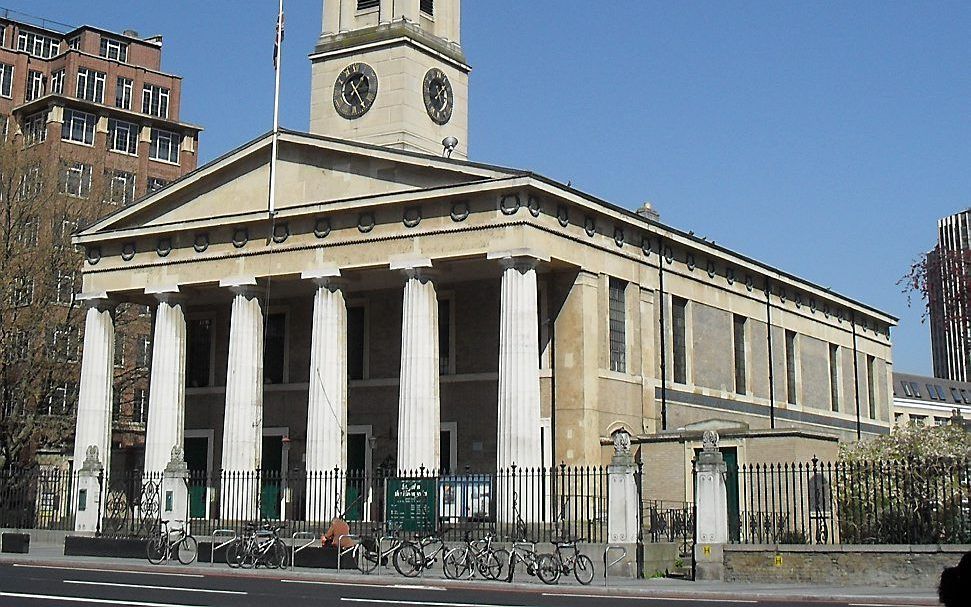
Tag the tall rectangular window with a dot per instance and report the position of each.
(114, 49)
(155, 101)
(66, 283)
(834, 377)
(36, 85)
(198, 352)
(38, 45)
(91, 85)
(428, 7)
(274, 349)
(78, 127)
(143, 351)
(76, 179)
(444, 336)
(155, 183)
(356, 339)
(57, 82)
(6, 80)
(119, 187)
(119, 349)
(35, 128)
(871, 385)
(122, 136)
(123, 92)
(139, 413)
(617, 312)
(164, 146)
(679, 310)
(791, 367)
(738, 324)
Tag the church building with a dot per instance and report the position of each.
(405, 307)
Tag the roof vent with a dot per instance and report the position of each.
(130, 33)
(647, 211)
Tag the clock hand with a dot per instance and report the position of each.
(356, 92)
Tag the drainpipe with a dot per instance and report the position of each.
(856, 379)
(664, 349)
(768, 334)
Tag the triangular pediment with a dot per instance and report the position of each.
(310, 169)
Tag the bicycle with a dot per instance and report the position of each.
(475, 556)
(411, 559)
(259, 545)
(524, 550)
(370, 553)
(580, 564)
(166, 542)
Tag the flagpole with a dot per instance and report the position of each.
(276, 109)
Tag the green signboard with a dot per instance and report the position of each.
(411, 503)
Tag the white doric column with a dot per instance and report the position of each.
(326, 456)
(97, 379)
(519, 407)
(419, 412)
(166, 396)
(243, 418)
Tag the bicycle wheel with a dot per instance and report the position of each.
(583, 569)
(456, 564)
(548, 568)
(490, 566)
(502, 555)
(408, 560)
(187, 550)
(248, 556)
(156, 549)
(234, 554)
(367, 561)
(278, 555)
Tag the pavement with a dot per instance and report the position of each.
(47, 562)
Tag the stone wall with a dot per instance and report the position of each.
(841, 565)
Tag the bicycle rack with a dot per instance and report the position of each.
(230, 533)
(613, 562)
(381, 540)
(307, 537)
(342, 551)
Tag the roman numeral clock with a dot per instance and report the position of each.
(355, 90)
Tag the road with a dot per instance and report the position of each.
(42, 585)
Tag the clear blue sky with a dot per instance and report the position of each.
(825, 138)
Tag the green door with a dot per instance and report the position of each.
(197, 459)
(272, 466)
(731, 490)
(357, 474)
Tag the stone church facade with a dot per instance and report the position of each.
(405, 309)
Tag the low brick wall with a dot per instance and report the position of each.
(841, 565)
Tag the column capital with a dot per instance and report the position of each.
(523, 258)
(413, 266)
(323, 276)
(97, 300)
(166, 294)
(241, 285)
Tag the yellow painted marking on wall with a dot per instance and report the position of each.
(778, 560)
(707, 550)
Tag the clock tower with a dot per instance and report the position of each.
(392, 73)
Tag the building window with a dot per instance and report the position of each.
(940, 421)
(444, 336)
(791, 367)
(738, 324)
(155, 101)
(68, 227)
(31, 183)
(123, 136)
(939, 390)
(119, 349)
(76, 179)
(66, 282)
(57, 82)
(23, 291)
(19, 349)
(91, 85)
(363, 5)
(124, 89)
(198, 352)
(78, 127)
(116, 403)
(679, 311)
(139, 413)
(65, 342)
(26, 234)
(275, 349)
(871, 386)
(4, 125)
(74, 43)
(165, 146)
(356, 340)
(834, 378)
(120, 187)
(156, 183)
(6, 80)
(617, 324)
(908, 391)
(428, 7)
(114, 49)
(35, 128)
(61, 400)
(143, 351)
(919, 420)
(36, 85)
(38, 45)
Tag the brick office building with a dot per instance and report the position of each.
(96, 123)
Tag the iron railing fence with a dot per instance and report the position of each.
(37, 498)
(668, 521)
(538, 504)
(918, 501)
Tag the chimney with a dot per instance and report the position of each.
(647, 211)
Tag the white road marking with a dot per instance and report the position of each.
(363, 585)
(427, 603)
(77, 599)
(648, 598)
(117, 585)
(417, 587)
(109, 570)
(886, 604)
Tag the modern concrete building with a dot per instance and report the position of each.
(948, 283)
(929, 401)
(405, 309)
(98, 126)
